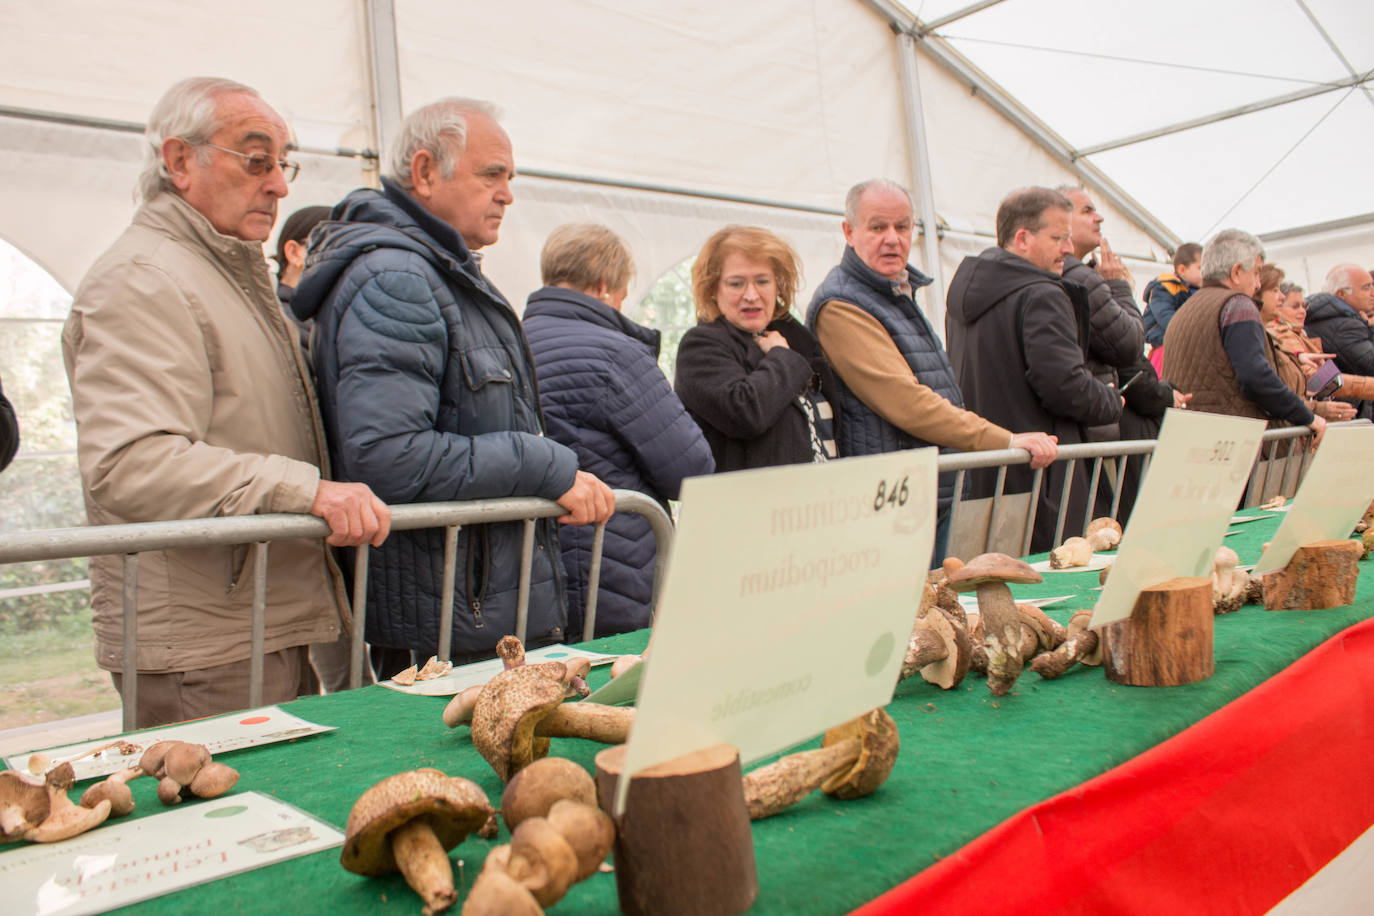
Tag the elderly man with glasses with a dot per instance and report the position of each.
(192, 400)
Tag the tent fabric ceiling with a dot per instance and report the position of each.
(766, 102)
(1099, 70)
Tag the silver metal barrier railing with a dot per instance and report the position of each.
(1265, 482)
(258, 530)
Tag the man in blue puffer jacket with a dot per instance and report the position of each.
(427, 388)
(605, 397)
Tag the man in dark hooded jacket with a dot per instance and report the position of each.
(427, 387)
(1338, 317)
(1017, 334)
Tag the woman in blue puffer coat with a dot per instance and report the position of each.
(604, 396)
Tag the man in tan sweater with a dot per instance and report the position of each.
(896, 387)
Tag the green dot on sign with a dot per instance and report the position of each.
(556, 655)
(227, 811)
(879, 654)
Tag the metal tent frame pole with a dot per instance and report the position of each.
(385, 82)
(919, 151)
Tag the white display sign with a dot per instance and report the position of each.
(787, 605)
(465, 676)
(1334, 493)
(251, 727)
(1197, 475)
(124, 862)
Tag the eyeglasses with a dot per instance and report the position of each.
(259, 164)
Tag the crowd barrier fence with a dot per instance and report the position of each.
(1002, 522)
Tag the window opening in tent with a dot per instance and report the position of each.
(668, 307)
(47, 658)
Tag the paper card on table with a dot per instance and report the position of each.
(1197, 474)
(125, 862)
(221, 733)
(787, 605)
(618, 690)
(1334, 493)
(465, 676)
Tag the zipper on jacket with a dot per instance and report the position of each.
(477, 585)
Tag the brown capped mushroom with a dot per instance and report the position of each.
(988, 575)
(542, 860)
(116, 789)
(1049, 633)
(24, 805)
(1072, 553)
(183, 761)
(588, 830)
(939, 649)
(495, 893)
(511, 652)
(65, 819)
(534, 790)
(1103, 534)
(854, 759)
(520, 709)
(407, 823)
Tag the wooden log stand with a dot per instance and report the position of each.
(1167, 640)
(1320, 575)
(683, 845)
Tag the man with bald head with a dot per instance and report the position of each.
(192, 400)
(429, 391)
(896, 387)
(1340, 316)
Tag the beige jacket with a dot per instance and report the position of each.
(192, 400)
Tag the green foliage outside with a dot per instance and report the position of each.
(668, 306)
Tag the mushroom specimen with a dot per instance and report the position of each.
(65, 819)
(23, 805)
(183, 768)
(520, 709)
(988, 575)
(116, 789)
(407, 823)
(1071, 553)
(536, 788)
(939, 649)
(1103, 534)
(1082, 645)
(545, 856)
(1230, 583)
(852, 761)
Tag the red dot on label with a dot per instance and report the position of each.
(254, 720)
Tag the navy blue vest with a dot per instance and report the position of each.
(861, 431)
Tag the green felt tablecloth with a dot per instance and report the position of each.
(968, 761)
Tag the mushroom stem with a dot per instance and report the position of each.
(784, 782)
(593, 721)
(1002, 639)
(421, 858)
(1054, 663)
(925, 647)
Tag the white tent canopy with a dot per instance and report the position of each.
(666, 120)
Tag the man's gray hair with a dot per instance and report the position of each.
(188, 110)
(1338, 279)
(1287, 287)
(1067, 189)
(440, 127)
(1225, 250)
(851, 200)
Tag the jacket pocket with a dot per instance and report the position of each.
(484, 366)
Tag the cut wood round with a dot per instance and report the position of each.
(1320, 575)
(683, 845)
(1167, 640)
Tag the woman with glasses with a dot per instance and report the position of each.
(753, 376)
(1288, 329)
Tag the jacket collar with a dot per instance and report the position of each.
(569, 303)
(855, 267)
(448, 239)
(168, 213)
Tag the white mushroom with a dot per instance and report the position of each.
(1229, 582)
(1103, 533)
(1071, 553)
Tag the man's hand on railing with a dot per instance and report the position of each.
(1318, 427)
(354, 514)
(1043, 448)
(588, 501)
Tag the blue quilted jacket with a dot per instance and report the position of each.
(604, 396)
(428, 393)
